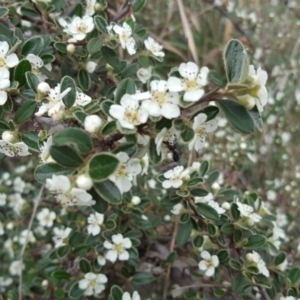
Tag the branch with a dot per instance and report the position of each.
(36, 201)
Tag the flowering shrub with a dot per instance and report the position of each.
(104, 189)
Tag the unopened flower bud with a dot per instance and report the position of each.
(9, 136)
(226, 205)
(249, 256)
(84, 182)
(71, 48)
(45, 283)
(92, 123)
(90, 66)
(144, 74)
(43, 87)
(215, 187)
(247, 101)
(136, 200)
(98, 7)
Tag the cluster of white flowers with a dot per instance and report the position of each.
(247, 213)
(67, 195)
(255, 259)
(54, 105)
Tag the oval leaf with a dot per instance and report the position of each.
(25, 112)
(45, 171)
(207, 211)
(66, 156)
(70, 98)
(108, 191)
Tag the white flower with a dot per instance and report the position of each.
(145, 164)
(101, 260)
(162, 102)
(126, 173)
(201, 128)
(117, 249)
(289, 298)
(246, 212)
(4, 83)
(90, 7)
(17, 149)
(129, 113)
(92, 123)
(84, 182)
(258, 262)
(3, 199)
(135, 296)
(26, 235)
(154, 47)
(67, 195)
(16, 202)
(16, 267)
(164, 136)
(46, 217)
(176, 210)
(19, 185)
(144, 74)
(9, 136)
(44, 150)
(37, 64)
(281, 219)
(192, 82)
(54, 106)
(125, 38)
(282, 267)
(258, 94)
(93, 284)
(4, 282)
(175, 177)
(90, 67)
(209, 263)
(78, 28)
(10, 60)
(60, 236)
(216, 206)
(95, 220)
(205, 199)
(82, 99)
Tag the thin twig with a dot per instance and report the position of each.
(264, 293)
(37, 201)
(172, 245)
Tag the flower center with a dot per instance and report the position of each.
(122, 171)
(93, 283)
(201, 131)
(191, 84)
(131, 116)
(2, 62)
(82, 28)
(119, 248)
(159, 97)
(209, 263)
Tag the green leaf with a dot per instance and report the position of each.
(215, 78)
(20, 71)
(5, 31)
(25, 112)
(84, 79)
(60, 274)
(84, 265)
(116, 293)
(70, 98)
(100, 24)
(294, 275)
(236, 61)
(154, 157)
(142, 278)
(223, 255)
(199, 192)
(94, 44)
(184, 233)
(102, 166)
(109, 128)
(237, 283)
(237, 115)
(62, 47)
(33, 45)
(255, 241)
(204, 168)
(75, 137)
(138, 5)
(234, 211)
(256, 117)
(110, 57)
(280, 258)
(80, 116)
(105, 106)
(3, 127)
(187, 135)
(32, 81)
(3, 11)
(92, 107)
(179, 125)
(195, 181)
(198, 241)
(108, 191)
(207, 211)
(31, 139)
(75, 292)
(210, 111)
(8, 105)
(45, 171)
(126, 86)
(63, 251)
(128, 147)
(212, 177)
(66, 156)
(227, 228)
